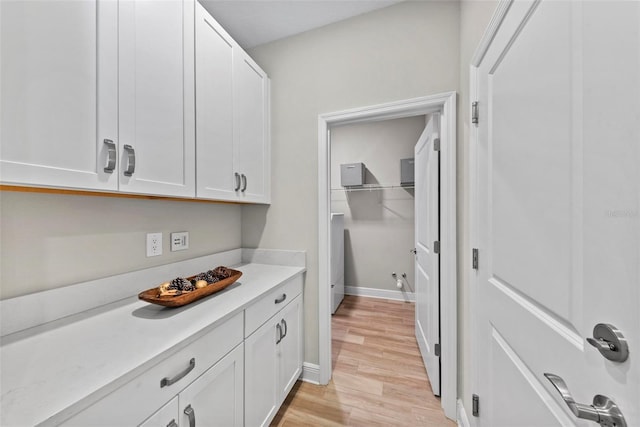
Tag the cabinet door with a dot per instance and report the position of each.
(58, 92)
(290, 347)
(167, 416)
(216, 397)
(214, 113)
(251, 127)
(261, 374)
(156, 87)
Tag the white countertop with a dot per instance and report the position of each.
(59, 368)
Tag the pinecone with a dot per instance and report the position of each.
(181, 284)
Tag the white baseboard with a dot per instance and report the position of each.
(379, 293)
(310, 373)
(463, 420)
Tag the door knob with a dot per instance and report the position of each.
(610, 342)
(603, 410)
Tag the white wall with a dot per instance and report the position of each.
(379, 224)
(54, 240)
(404, 51)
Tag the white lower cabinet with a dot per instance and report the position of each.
(273, 363)
(237, 374)
(213, 399)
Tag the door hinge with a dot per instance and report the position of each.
(474, 258)
(436, 247)
(474, 112)
(436, 349)
(436, 144)
(475, 408)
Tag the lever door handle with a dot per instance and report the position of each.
(603, 410)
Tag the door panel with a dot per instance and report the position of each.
(558, 208)
(156, 88)
(427, 293)
(58, 92)
(250, 109)
(214, 117)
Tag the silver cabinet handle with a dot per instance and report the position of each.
(281, 299)
(284, 323)
(244, 182)
(131, 164)
(610, 342)
(603, 411)
(191, 414)
(173, 423)
(168, 381)
(111, 160)
(279, 331)
(237, 176)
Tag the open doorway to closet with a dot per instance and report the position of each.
(444, 106)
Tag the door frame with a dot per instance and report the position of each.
(445, 104)
(474, 201)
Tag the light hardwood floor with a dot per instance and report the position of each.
(378, 375)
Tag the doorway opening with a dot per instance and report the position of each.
(445, 105)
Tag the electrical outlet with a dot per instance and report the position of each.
(154, 244)
(179, 241)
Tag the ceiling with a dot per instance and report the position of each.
(255, 22)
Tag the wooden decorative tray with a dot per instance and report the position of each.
(153, 295)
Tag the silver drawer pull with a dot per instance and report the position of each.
(131, 156)
(244, 182)
(111, 160)
(281, 299)
(168, 381)
(279, 333)
(173, 423)
(191, 414)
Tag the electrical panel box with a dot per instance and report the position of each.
(352, 174)
(407, 171)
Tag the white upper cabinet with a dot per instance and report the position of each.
(251, 127)
(101, 95)
(156, 90)
(232, 107)
(58, 86)
(214, 109)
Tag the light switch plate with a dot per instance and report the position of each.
(179, 241)
(154, 244)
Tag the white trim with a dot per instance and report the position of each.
(310, 373)
(490, 32)
(444, 103)
(488, 36)
(462, 419)
(379, 293)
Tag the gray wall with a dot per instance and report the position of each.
(379, 224)
(54, 240)
(403, 51)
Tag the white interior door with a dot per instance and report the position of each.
(558, 197)
(427, 292)
(337, 260)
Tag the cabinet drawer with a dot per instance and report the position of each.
(139, 398)
(258, 313)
